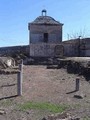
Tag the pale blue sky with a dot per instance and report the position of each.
(15, 15)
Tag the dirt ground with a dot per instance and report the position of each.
(43, 85)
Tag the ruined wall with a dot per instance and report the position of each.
(8, 51)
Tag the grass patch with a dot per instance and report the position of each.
(43, 106)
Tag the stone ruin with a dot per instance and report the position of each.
(6, 62)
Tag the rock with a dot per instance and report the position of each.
(75, 118)
(44, 118)
(2, 112)
(79, 95)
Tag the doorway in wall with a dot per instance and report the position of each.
(45, 37)
(59, 50)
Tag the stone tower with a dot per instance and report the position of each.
(43, 31)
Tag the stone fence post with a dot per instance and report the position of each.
(19, 79)
(77, 84)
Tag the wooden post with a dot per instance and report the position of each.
(19, 80)
(77, 84)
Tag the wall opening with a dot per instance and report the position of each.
(59, 50)
(46, 37)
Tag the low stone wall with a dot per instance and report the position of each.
(77, 47)
(9, 51)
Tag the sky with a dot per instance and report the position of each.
(16, 14)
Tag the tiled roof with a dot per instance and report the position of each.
(46, 20)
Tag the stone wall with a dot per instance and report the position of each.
(9, 51)
(77, 47)
(53, 50)
(71, 48)
(42, 50)
(85, 47)
(37, 33)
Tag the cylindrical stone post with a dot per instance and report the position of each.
(19, 80)
(77, 84)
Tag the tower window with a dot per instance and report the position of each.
(45, 37)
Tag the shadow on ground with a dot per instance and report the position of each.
(8, 97)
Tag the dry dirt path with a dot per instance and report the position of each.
(44, 85)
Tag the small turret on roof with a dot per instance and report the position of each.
(44, 12)
(44, 19)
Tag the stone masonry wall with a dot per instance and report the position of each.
(71, 48)
(8, 51)
(42, 50)
(37, 32)
(77, 47)
(53, 50)
(85, 47)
